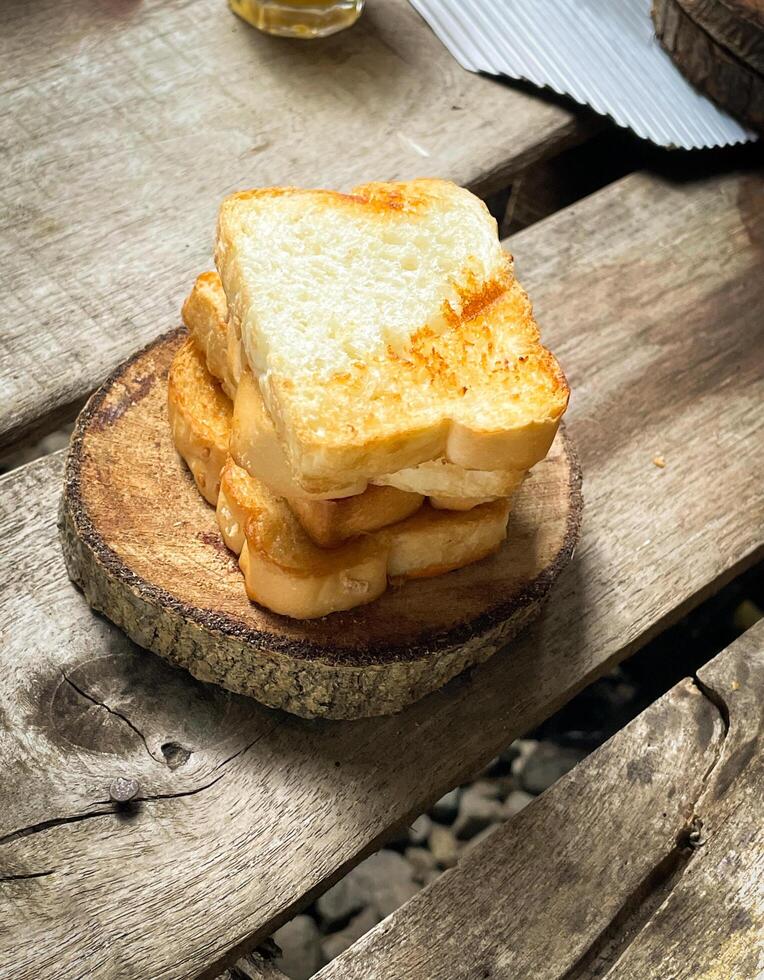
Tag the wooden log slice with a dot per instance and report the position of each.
(718, 45)
(737, 25)
(145, 548)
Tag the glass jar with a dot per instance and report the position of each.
(299, 18)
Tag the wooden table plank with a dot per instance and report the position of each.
(651, 292)
(560, 889)
(125, 124)
(712, 923)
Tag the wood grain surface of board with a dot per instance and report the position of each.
(145, 548)
(650, 292)
(125, 124)
(646, 860)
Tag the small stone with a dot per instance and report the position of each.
(476, 812)
(383, 882)
(490, 789)
(515, 802)
(546, 764)
(444, 846)
(447, 807)
(387, 880)
(300, 943)
(431, 876)
(337, 906)
(420, 829)
(522, 748)
(358, 926)
(421, 860)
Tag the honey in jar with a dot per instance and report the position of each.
(299, 18)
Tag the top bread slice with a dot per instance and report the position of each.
(255, 444)
(386, 328)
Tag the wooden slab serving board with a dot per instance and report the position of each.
(718, 45)
(146, 550)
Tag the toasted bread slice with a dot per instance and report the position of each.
(201, 416)
(386, 328)
(204, 314)
(330, 522)
(255, 446)
(285, 571)
(449, 486)
(283, 567)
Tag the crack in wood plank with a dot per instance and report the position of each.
(134, 806)
(42, 825)
(630, 919)
(712, 922)
(651, 892)
(27, 875)
(113, 711)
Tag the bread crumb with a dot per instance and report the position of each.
(659, 461)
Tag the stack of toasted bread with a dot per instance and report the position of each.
(362, 390)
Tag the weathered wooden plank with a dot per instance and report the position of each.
(124, 125)
(712, 922)
(651, 293)
(534, 898)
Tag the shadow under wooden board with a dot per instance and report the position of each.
(131, 121)
(147, 551)
(647, 860)
(650, 293)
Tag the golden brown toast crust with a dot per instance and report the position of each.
(466, 366)
(200, 418)
(330, 522)
(285, 570)
(204, 314)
